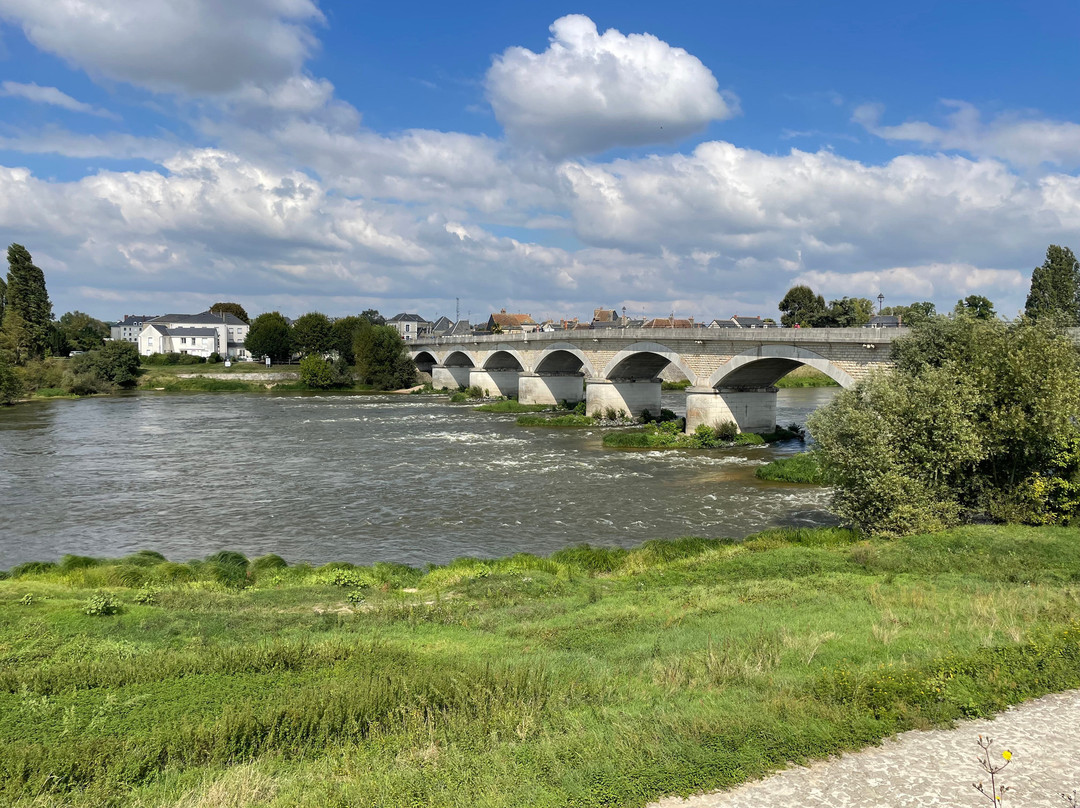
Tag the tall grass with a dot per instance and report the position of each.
(598, 676)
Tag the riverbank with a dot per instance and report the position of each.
(592, 677)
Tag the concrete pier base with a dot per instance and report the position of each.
(630, 396)
(449, 377)
(542, 388)
(751, 410)
(495, 382)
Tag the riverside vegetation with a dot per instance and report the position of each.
(595, 677)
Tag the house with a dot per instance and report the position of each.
(885, 321)
(196, 334)
(441, 327)
(669, 322)
(409, 326)
(512, 323)
(735, 321)
(127, 330)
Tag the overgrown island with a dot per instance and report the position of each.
(598, 676)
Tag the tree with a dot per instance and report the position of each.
(848, 312)
(373, 316)
(975, 306)
(10, 386)
(270, 335)
(343, 336)
(913, 315)
(311, 334)
(382, 360)
(117, 363)
(3, 298)
(978, 417)
(28, 299)
(231, 308)
(800, 306)
(81, 332)
(1055, 288)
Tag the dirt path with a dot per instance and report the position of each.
(932, 768)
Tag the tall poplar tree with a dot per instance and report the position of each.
(1055, 288)
(28, 311)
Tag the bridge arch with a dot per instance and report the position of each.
(765, 365)
(504, 359)
(425, 361)
(562, 357)
(460, 358)
(643, 360)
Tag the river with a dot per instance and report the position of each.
(360, 478)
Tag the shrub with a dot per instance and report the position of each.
(316, 372)
(458, 398)
(101, 604)
(726, 430)
(146, 596)
(214, 358)
(11, 386)
(800, 468)
(474, 391)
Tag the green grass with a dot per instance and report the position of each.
(805, 376)
(800, 468)
(569, 420)
(596, 677)
(666, 436)
(512, 405)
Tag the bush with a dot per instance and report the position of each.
(10, 385)
(316, 372)
(979, 418)
(115, 365)
(458, 398)
(214, 358)
(101, 604)
(727, 430)
(475, 391)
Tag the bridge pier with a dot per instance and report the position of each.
(450, 377)
(753, 410)
(546, 388)
(630, 395)
(495, 382)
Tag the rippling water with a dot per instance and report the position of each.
(359, 478)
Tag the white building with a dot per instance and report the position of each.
(127, 330)
(410, 326)
(197, 334)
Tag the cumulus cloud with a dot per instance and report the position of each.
(52, 96)
(195, 47)
(1022, 141)
(589, 92)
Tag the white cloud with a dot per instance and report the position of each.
(589, 92)
(1022, 141)
(194, 46)
(113, 146)
(52, 96)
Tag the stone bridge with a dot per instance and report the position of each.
(732, 372)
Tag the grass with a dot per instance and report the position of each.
(799, 468)
(679, 385)
(668, 436)
(806, 376)
(512, 405)
(596, 677)
(568, 420)
(237, 368)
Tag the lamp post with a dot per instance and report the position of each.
(880, 300)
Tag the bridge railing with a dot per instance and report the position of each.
(776, 335)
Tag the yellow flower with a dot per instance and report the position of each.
(1007, 754)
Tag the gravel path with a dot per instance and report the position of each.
(933, 767)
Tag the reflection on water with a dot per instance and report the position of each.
(361, 479)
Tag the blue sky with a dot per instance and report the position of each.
(302, 155)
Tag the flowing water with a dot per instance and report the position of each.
(360, 478)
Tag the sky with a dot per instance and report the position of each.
(695, 159)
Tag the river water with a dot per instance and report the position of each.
(360, 478)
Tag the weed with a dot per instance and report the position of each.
(101, 604)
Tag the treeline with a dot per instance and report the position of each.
(349, 350)
(30, 339)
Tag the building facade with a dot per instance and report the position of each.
(128, 329)
(196, 334)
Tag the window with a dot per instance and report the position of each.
(183, 341)
(407, 326)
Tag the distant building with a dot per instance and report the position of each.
(127, 330)
(885, 321)
(441, 326)
(410, 326)
(736, 321)
(196, 334)
(512, 323)
(669, 322)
